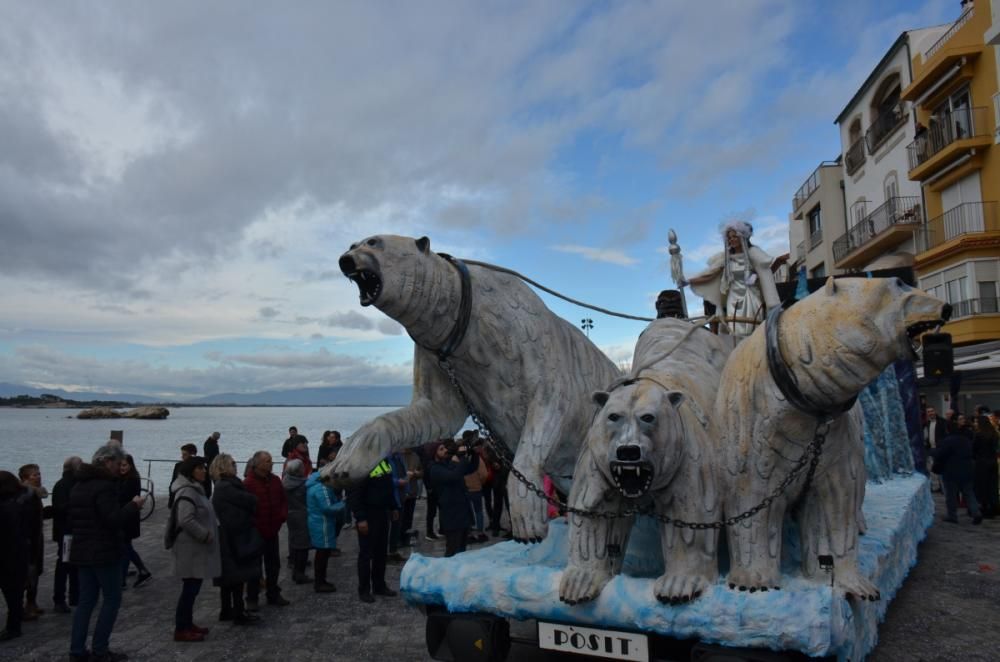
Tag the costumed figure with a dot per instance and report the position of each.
(738, 281)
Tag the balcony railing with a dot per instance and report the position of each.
(970, 307)
(939, 44)
(946, 128)
(966, 218)
(884, 126)
(895, 211)
(815, 238)
(810, 185)
(855, 156)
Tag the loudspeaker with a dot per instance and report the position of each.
(939, 359)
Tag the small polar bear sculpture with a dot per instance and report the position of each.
(651, 445)
(806, 364)
(528, 372)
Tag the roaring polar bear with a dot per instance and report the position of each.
(651, 443)
(804, 365)
(528, 372)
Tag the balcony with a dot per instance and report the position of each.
(965, 219)
(939, 44)
(970, 307)
(889, 225)
(810, 185)
(855, 156)
(884, 126)
(949, 136)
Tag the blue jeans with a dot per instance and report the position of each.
(107, 579)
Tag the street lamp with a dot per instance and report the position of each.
(587, 324)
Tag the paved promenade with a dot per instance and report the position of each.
(948, 609)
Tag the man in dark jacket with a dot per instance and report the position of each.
(374, 503)
(13, 553)
(65, 571)
(953, 460)
(447, 477)
(272, 511)
(211, 447)
(97, 520)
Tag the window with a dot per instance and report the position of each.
(815, 224)
(891, 186)
(818, 272)
(955, 291)
(858, 211)
(987, 296)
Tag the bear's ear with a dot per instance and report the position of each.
(676, 398)
(423, 244)
(600, 398)
(831, 287)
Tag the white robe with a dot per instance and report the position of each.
(749, 293)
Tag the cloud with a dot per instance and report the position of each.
(268, 312)
(610, 255)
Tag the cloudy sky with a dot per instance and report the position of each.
(178, 179)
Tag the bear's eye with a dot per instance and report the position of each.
(614, 418)
(372, 242)
(647, 418)
(354, 245)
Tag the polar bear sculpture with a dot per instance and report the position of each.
(651, 443)
(528, 372)
(823, 351)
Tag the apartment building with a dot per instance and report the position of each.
(955, 159)
(817, 216)
(884, 207)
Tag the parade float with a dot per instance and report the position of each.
(730, 497)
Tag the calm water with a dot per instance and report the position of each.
(47, 436)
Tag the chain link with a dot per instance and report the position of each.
(810, 456)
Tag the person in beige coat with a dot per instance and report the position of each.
(195, 547)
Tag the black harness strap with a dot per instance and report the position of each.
(464, 310)
(785, 378)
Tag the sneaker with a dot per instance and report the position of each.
(431, 536)
(61, 608)
(278, 602)
(386, 592)
(253, 604)
(188, 636)
(366, 597)
(200, 630)
(325, 587)
(142, 579)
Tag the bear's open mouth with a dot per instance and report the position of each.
(632, 478)
(915, 332)
(369, 285)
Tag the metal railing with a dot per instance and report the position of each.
(894, 211)
(970, 307)
(956, 26)
(884, 126)
(810, 185)
(946, 128)
(855, 156)
(966, 218)
(815, 238)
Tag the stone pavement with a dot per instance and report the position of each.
(948, 609)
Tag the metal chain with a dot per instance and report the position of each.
(810, 456)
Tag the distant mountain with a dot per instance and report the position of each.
(8, 390)
(335, 395)
(303, 397)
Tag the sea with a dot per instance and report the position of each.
(46, 437)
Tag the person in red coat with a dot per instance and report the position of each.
(301, 452)
(272, 511)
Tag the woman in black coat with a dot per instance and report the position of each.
(129, 488)
(13, 553)
(240, 545)
(447, 478)
(985, 444)
(953, 460)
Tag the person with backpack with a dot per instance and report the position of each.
(192, 537)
